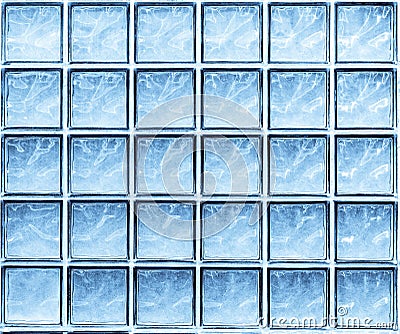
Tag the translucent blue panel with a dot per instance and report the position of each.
(231, 33)
(365, 33)
(231, 99)
(26, 301)
(231, 165)
(32, 99)
(231, 231)
(165, 231)
(365, 231)
(298, 165)
(297, 100)
(364, 165)
(362, 294)
(297, 231)
(32, 230)
(298, 34)
(364, 99)
(98, 165)
(230, 297)
(99, 99)
(164, 33)
(164, 165)
(32, 33)
(165, 297)
(297, 294)
(99, 296)
(164, 99)
(32, 164)
(99, 230)
(99, 34)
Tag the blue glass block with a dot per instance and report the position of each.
(26, 299)
(165, 231)
(32, 230)
(231, 231)
(164, 99)
(364, 231)
(99, 33)
(231, 99)
(364, 165)
(32, 33)
(32, 164)
(99, 296)
(165, 297)
(231, 33)
(99, 230)
(297, 231)
(99, 165)
(365, 33)
(231, 165)
(230, 297)
(32, 99)
(165, 33)
(297, 294)
(298, 34)
(298, 165)
(99, 99)
(364, 99)
(364, 294)
(298, 100)
(164, 165)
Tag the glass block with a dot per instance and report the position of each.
(231, 165)
(298, 100)
(32, 164)
(165, 33)
(230, 297)
(298, 165)
(164, 165)
(364, 99)
(165, 297)
(299, 295)
(99, 99)
(32, 99)
(231, 231)
(26, 302)
(231, 33)
(232, 99)
(297, 231)
(298, 33)
(364, 165)
(32, 230)
(164, 99)
(99, 230)
(364, 294)
(99, 296)
(32, 33)
(98, 165)
(365, 33)
(364, 231)
(165, 231)
(99, 33)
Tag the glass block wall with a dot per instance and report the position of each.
(179, 167)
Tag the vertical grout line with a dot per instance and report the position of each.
(396, 232)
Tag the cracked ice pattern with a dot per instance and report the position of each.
(165, 297)
(364, 165)
(365, 33)
(99, 34)
(298, 34)
(165, 34)
(32, 99)
(231, 33)
(32, 164)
